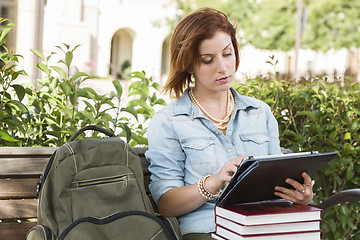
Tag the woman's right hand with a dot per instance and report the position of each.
(218, 181)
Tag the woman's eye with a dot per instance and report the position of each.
(207, 61)
(227, 54)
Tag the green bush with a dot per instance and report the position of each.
(321, 115)
(48, 114)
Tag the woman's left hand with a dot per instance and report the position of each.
(303, 193)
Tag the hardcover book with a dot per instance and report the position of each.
(267, 228)
(256, 178)
(268, 212)
(225, 234)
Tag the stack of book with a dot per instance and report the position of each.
(278, 219)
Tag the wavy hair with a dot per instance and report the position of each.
(184, 45)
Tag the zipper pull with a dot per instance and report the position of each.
(125, 182)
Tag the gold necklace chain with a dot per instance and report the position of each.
(220, 124)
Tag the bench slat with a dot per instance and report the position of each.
(18, 188)
(27, 151)
(15, 231)
(18, 209)
(22, 166)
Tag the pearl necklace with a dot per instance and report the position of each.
(220, 124)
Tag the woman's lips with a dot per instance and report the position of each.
(223, 79)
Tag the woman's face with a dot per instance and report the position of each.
(217, 64)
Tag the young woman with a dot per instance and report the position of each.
(197, 141)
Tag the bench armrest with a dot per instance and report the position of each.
(350, 195)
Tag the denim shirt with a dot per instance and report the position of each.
(185, 145)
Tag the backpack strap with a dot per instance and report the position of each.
(91, 127)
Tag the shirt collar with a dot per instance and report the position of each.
(242, 102)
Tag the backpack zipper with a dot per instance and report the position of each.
(99, 181)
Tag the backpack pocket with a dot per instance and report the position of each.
(102, 191)
(125, 225)
(40, 232)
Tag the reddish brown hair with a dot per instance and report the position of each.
(184, 45)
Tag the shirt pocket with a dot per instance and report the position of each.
(256, 144)
(201, 154)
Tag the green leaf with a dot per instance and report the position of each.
(349, 173)
(38, 54)
(347, 136)
(127, 131)
(308, 114)
(131, 110)
(4, 34)
(4, 135)
(90, 106)
(135, 102)
(75, 48)
(17, 104)
(354, 125)
(84, 92)
(48, 57)
(65, 88)
(147, 109)
(160, 101)
(118, 87)
(51, 121)
(78, 75)
(20, 91)
(60, 71)
(140, 75)
(139, 139)
(88, 115)
(43, 68)
(68, 58)
(156, 86)
(139, 88)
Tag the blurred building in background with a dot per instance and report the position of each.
(119, 36)
(115, 36)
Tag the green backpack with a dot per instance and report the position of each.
(93, 188)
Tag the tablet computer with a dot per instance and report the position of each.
(256, 177)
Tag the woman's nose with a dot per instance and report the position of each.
(221, 65)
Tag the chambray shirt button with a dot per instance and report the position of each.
(229, 150)
(217, 133)
(230, 132)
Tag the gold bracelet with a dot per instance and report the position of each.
(204, 191)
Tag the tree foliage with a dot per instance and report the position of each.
(271, 24)
(333, 24)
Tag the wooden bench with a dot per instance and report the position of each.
(20, 170)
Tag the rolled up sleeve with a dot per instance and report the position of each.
(165, 156)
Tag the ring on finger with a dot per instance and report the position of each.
(302, 191)
(312, 183)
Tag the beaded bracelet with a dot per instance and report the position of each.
(204, 191)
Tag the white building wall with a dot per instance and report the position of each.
(140, 17)
(25, 34)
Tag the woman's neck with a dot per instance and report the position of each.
(217, 109)
(213, 101)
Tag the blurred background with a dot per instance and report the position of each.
(116, 37)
